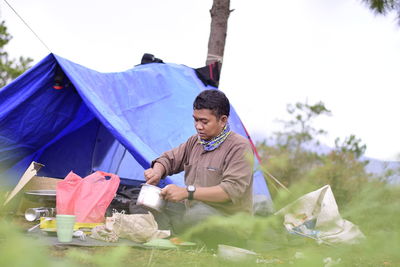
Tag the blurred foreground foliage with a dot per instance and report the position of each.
(374, 210)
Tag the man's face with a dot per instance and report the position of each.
(207, 125)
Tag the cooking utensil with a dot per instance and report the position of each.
(33, 214)
(37, 225)
(41, 195)
(150, 197)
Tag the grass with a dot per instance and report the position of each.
(375, 210)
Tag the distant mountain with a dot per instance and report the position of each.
(379, 167)
(374, 166)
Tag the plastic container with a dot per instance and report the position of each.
(65, 227)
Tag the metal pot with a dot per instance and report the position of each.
(33, 214)
(149, 197)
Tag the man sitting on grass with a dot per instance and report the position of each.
(218, 165)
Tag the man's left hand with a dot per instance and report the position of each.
(174, 193)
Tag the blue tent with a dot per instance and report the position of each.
(115, 122)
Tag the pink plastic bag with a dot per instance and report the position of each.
(87, 198)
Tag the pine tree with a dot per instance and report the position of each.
(10, 68)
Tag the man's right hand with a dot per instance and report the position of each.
(153, 175)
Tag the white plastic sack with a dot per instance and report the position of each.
(319, 210)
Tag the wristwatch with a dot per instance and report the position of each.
(191, 189)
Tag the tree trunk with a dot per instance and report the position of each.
(219, 25)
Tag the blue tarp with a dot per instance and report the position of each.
(116, 122)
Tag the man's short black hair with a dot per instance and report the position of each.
(214, 100)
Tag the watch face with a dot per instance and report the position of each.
(191, 188)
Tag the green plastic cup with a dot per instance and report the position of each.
(65, 227)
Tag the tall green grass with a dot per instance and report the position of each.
(375, 209)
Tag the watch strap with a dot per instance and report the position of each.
(191, 189)
(190, 197)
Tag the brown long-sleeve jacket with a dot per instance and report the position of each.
(229, 166)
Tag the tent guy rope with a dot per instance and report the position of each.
(26, 24)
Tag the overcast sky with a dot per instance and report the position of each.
(277, 52)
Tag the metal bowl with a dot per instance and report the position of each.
(149, 197)
(41, 195)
